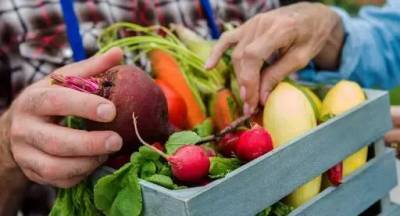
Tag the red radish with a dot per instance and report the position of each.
(253, 143)
(226, 146)
(189, 164)
(177, 112)
(116, 161)
(335, 174)
(131, 90)
(159, 146)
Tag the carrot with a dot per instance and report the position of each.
(224, 109)
(166, 68)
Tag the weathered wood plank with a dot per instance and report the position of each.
(357, 193)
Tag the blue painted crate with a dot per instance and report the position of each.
(268, 179)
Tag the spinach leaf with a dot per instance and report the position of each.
(179, 139)
(219, 166)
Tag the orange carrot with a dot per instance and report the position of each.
(224, 109)
(166, 68)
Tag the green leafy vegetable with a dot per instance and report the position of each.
(75, 201)
(162, 180)
(277, 209)
(204, 129)
(219, 166)
(120, 193)
(179, 139)
(74, 122)
(148, 169)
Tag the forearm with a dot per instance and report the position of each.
(12, 181)
(329, 57)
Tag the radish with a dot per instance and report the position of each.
(226, 146)
(253, 143)
(131, 90)
(335, 174)
(189, 164)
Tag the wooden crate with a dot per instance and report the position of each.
(266, 180)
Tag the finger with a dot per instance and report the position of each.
(67, 183)
(392, 136)
(94, 65)
(59, 101)
(250, 80)
(292, 61)
(226, 40)
(395, 111)
(50, 168)
(62, 141)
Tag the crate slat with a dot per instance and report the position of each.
(359, 191)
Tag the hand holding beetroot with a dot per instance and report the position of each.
(48, 153)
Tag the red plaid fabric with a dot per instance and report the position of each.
(33, 40)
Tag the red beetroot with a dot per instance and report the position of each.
(226, 146)
(117, 161)
(189, 164)
(159, 146)
(131, 90)
(253, 143)
(177, 112)
(335, 174)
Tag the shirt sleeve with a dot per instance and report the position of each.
(371, 51)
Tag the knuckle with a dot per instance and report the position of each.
(91, 143)
(288, 21)
(237, 54)
(251, 52)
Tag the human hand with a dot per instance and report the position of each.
(393, 136)
(51, 154)
(296, 34)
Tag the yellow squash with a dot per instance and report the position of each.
(288, 113)
(339, 99)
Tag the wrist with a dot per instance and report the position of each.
(329, 56)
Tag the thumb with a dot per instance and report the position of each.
(94, 65)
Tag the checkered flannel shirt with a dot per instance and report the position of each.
(32, 32)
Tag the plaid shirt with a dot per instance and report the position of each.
(33, 40)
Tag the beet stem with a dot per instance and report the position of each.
(227, 129)
(144, 142)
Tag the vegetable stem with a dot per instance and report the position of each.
(144, 142)
(227, 129)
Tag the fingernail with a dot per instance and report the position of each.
(243, 92)
(106, 111)
(102, 158)
(113, 143)
(207, 65)
(246, 108)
